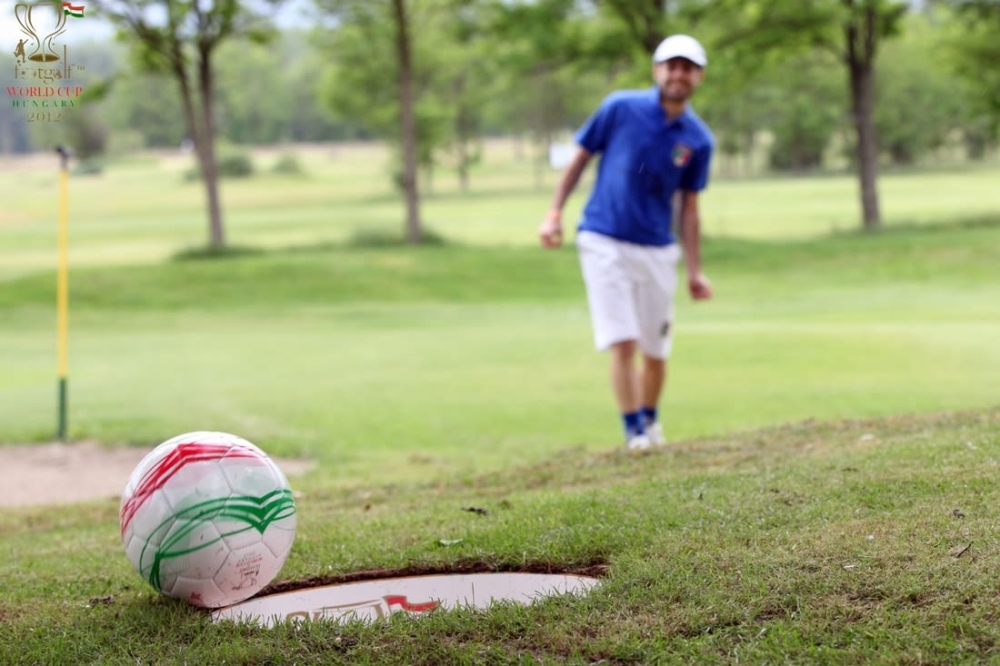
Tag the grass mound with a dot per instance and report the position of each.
(846, 542)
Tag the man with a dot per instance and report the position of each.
(652, 147)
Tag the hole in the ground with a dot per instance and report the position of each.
(377, 594)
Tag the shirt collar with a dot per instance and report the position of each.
(653, 95)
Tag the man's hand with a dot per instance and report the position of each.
(700, 287)
(550, 231)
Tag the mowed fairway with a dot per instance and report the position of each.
(828, 495)
(145, 210)
(470, 358)
(466, 356)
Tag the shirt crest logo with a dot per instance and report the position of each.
(681, 155)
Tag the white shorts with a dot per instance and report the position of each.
(630, 291)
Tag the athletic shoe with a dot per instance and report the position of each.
(654, 432)
(637, 443)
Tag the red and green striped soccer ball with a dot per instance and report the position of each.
(207, 517)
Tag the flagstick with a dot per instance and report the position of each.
(62, 291)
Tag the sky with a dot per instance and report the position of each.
(294, 13)
(92, 28)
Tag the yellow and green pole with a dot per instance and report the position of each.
(62, 291)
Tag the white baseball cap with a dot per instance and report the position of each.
(680, 46)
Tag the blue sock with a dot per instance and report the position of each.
(649, 415)
(633, 424)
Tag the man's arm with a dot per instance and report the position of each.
(699, 285)
(550, 231)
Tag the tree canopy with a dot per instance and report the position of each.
(791, 85)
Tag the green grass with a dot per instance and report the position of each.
(809, 543)
(142, 211)
(828, 412)
(470, 357)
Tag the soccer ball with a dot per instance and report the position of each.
(207, 517)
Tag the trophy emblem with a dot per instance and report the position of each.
(38, 20)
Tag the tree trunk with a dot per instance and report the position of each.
(198, 135)
(862, 95)
(541, 161)
(860, 64)
(407, 125)
(217, 237)
(187, 105)
(464, 160)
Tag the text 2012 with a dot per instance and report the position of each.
(44, 116)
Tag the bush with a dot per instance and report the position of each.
(228, 164)
(235, 165)
(288, 165)
(89, 167)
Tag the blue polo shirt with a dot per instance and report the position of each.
(644, 159)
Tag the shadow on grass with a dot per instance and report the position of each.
(381, 238)
(899, 251)
(208, 252)
(360, 239)
(988, 221)
(717, 247)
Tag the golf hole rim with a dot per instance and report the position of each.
(375, 595)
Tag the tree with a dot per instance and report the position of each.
(912, 75)
(555, 62)
(14, 136)
(370, 38)
(644, 20)
(977, 48)
(180, 37)
(269, 93)
(252, 92)
(87, 135)
(805, 111)
(146, 102)
(851, 29)
(407, 125)
(310, 118)
(468, 71)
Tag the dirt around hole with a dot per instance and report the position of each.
(595, 569)
(44, 474)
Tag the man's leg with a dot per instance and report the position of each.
(611, 299)
(652, 380)
(656, 298)
(654, 376)
(628, 392)
(624, 378)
